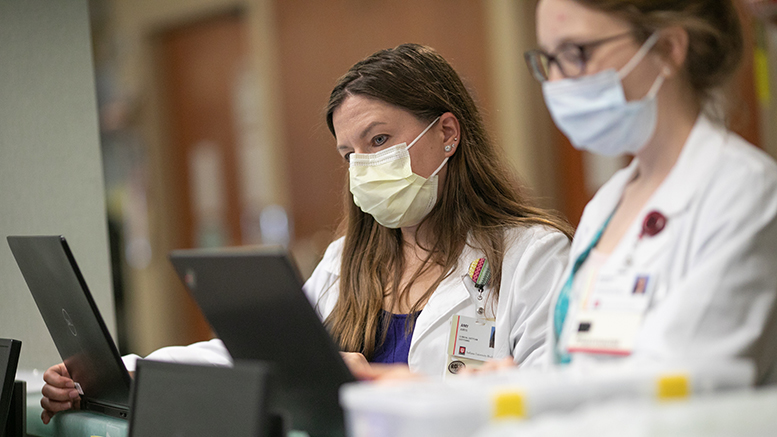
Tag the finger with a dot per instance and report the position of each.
(59, 394)
(497, 365)
(391, 373)
(45, 417)
(54, 407)
(58, 376)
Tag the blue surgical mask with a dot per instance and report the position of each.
(594, 114)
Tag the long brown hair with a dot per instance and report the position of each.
(479, 200)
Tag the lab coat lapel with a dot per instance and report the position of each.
(690, 172)
(449, 294)
(600, 208)
(672, 196)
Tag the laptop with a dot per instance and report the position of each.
(254, 302)
(172, 399)
(74, 322)
(9, 359)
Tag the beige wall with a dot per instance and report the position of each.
(521, 123)
(50, 169)
(153, 304)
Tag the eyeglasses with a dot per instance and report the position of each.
(570, 58)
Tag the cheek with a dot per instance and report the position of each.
(637, 84)
(426, 160)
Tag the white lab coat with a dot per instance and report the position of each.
(532, 266)
(716, 259)
(531, 269)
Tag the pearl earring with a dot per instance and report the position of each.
(449, 147)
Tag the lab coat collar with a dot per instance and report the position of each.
(704, 144)
(689, 174)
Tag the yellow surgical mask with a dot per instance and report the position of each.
(384, 185)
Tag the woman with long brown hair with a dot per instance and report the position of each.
(437, 234)
(442, 239)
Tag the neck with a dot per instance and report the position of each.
(676, 118)
(412, 236)
(415, 239)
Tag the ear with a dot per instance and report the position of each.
(673, 48)
(450, 133)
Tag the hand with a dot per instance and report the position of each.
(362, 369)
(357, 364)
(489, 366)
(59, 393)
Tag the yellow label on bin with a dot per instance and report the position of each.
(509, 405)
(673, 387)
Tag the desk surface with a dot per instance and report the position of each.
(80, 423)
(71, 423)
(74, 423)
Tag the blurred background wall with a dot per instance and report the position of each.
(51, 178)
(212, 128)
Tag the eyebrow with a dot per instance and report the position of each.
(364, 133)
(573, 40)
(369, 128)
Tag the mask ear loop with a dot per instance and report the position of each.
(659, 81)
(637, 58)
(419, 137)
(438, 168)
(422, 133)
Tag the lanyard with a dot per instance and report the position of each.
(562, 304)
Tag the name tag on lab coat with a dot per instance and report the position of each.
(610, 314)
(471, 343)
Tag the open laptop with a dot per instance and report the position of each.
(74, 322)
(171, 399)
(254, 302)
(9, 359)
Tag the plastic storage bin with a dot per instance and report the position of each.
(747, 413)
(458, 407)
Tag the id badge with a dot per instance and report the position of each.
(622, 292)
(471, 343)
(609, 320)
(605, 332)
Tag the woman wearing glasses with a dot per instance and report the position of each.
(675, 256)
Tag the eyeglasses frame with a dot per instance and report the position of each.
(585, 49)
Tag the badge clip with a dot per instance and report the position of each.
(654, 223)
(480, 273)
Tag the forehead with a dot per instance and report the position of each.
(357, 112)
(559, 21)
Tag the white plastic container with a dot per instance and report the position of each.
(429, 409)
(745, 413)
(457, 407)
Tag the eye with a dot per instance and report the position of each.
(572, 54)
(347, 157)
(379, 140)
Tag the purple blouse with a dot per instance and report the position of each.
(397, 344)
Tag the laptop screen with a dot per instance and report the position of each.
(254, 301)
(73, 321)
(9, 358)
(171, 399)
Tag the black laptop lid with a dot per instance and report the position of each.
(255, 303)
(73, 320)
(170, 399)
(9, 359)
